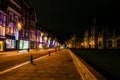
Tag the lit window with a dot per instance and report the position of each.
(4, 20)
(11, 28)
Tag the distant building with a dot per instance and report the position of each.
(73, 42)
(101, 38)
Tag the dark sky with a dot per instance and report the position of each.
(65, 17)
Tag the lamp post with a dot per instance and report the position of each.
(18, 28)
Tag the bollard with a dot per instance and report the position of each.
(31, 59)
(49, 53)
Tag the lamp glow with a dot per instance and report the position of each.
(19, 26)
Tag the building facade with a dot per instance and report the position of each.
(15, 17)
(18, 27)
(101, 38)
(3, 16)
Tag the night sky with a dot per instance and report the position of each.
(65, 17)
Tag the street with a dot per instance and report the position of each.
(58, 66)
(10, 59)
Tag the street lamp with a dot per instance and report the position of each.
(19, 27)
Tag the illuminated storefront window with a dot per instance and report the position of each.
(40, 45)
(23, 44)
(10, 44)
(1, 45)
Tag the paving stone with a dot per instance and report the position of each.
(39, 78)
(20, 74)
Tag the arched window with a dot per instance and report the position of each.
(118, 43)
(109, 43)
(100, 43)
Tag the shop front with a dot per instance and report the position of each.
(40, 44)
(23, 45)
(10, 44)
(1, 46)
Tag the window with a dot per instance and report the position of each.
(11, 28)
(10, 17)
(10, 44)
(16, 19)
(2, 30)
(1, 18)
(4, 20)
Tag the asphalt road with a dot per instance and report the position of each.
(10, 60)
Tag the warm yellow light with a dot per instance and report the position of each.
(19, 26)
(100, 39)
(41, 33)
(93, 42)
(82, 44)
(1, 46)
(90, 42)
(45, 38)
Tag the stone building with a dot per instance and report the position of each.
(101, 37)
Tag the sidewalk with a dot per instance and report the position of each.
(10, 53)
(58, 66)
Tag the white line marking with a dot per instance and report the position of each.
(7, 70)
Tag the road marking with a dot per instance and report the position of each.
(7, 70)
